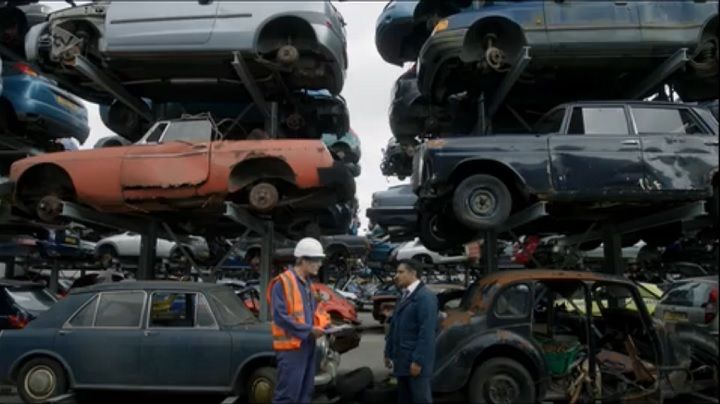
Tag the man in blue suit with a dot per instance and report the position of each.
(410, 344)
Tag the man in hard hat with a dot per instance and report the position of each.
(296, 324)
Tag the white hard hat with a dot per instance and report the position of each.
(309, 248)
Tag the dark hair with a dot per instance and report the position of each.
(412, 265)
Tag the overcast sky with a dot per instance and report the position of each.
(367, 92)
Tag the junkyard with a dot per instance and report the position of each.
(548, 169)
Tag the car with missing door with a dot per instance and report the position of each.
(185, 165)
(582, 158)
(127, 336)
(298, 45)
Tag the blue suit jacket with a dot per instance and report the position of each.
(412, 333)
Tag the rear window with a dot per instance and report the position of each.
(688, 294)
(31, 299)
(229, 309)
(667, 121)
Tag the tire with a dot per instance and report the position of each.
(500, 378)
(40, 380)
(438, 233)
(482, 202)
(106, 254)
(261, 385)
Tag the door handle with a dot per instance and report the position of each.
(621, 3)
(712, 143)
(630, 142)
(148, 333)
(64, 332)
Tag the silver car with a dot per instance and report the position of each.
(691, 300)
(151, 45)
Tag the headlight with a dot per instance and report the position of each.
(442, 25)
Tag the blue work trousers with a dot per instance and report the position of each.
(414, 390)
(295, 375)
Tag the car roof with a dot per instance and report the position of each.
(505, 277)
(149, 285)
(626, 102)
(707, 278)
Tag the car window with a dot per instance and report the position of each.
(229, 309)
(551, 123)
(86, 315)
(513, 301)
(688, 294)
(598, 121)
(32, 299)
(178, 310)
(189, 131)
(120, 309)
(154, 135)
(657, 120)
(709, 119)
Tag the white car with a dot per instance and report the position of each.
(415, 250)
(126, 246)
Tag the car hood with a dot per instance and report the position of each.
(95, 154)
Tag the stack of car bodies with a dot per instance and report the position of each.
(193, 132)
(486, 71)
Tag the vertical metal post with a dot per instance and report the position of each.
(490, 252)
(148, 243)
(266, 260)
(274, 120)
(612, 250)
(10, 268)
(54, 276)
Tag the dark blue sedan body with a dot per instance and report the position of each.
(140, 336)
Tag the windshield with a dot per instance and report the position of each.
(189, 131)
(32, 299)
(229, 308)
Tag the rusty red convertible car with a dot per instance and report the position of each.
(182, 165)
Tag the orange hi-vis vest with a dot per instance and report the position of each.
(282, 341)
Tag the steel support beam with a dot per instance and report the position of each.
(148, 253)
(490, 252)
(54, 277)
(509, 81)
(612, 250)
(659, 75)
(230, 252)
(243, 217)
(266, 261)
(251, 86)
(182, 247)
(112, 86)
(530, 214)
(92, 217)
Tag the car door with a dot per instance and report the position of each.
(672, 22)
(597, 153)
(679, 150)
(171, 164)
(158, 26)
(101, 341)
(575, 24)
(182, 343)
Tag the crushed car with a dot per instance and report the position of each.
(394, 211)
(550, 335)
(183, 165)
(580, 157)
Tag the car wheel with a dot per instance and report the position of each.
(40, 380)
(261, 385)
(482, 202)
(501, 381)
(438, 232)
(106, 255)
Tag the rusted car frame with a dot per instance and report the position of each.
(497, 345)
(183, 165)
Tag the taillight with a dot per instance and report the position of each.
(26, 69)
(711, 306)
(17, 322)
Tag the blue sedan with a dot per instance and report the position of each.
(147, 336)
(32, 105)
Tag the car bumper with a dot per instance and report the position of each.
(436, 51)
(325, 378)
(393, 216)
(339, 178)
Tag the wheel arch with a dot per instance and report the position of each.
(288, 25)
(40, 354)
(711, 24)
(254, 169)
(509, 176)
(42, 174)
(245, 370)
(471, 48)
